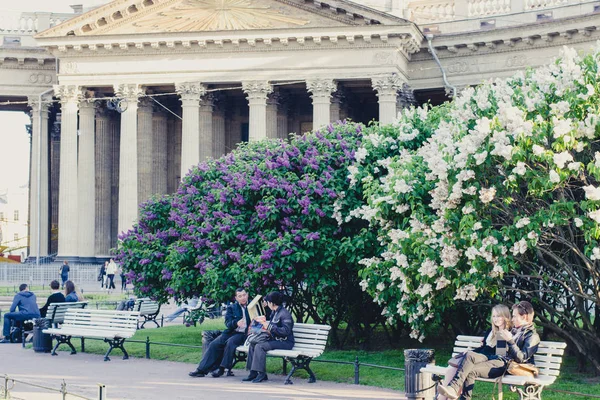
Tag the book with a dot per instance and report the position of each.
(501, 347)
(255, 308)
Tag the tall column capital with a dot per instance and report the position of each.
(257, 90)
(387, 85)
(33, 102)
(208, 102)
(129, 91)
(321, 88)
(190, 92)
(68, 93)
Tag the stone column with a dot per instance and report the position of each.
(86, 178)
(257, 92)
(145, 149)
(42, 176)
(68, 191)
(160, 149)
(218, 141)
(336, 106)
(174, 133)
(283, 110)
(205, 119)
(104, 147)
(272, 107)
(387, 89)
(321, 90)
(128, 157)
(190, 93)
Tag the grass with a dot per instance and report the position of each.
(569, 380)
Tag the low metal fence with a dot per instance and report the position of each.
(11, 274)
(7, 389)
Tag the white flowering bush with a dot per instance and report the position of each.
(495, 194)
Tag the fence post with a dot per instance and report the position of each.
(162, 320)
(356, 371)
(148, 347)
(284, 366)
(6, 386)
(83, 345)
(101, 392)
(417, 385)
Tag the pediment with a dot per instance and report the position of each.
(125, 17)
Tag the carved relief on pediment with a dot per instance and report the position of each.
(217, 15)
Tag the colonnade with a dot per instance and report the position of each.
(86, 148)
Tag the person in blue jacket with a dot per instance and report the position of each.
(26, 302)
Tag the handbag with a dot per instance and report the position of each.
(518, 369)
(457, 360)
(256, 338)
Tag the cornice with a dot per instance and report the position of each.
(530, 43)
(540, 35)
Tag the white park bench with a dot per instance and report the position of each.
(547, 359)
(111, 325)
(56, 311)
(148, 309)
(310, 341)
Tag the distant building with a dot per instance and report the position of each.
(13, 220)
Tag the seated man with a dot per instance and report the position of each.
(28, 309)
(222, 350)
(56, 297)
(192, 304)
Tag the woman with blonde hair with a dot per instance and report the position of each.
(500, 320)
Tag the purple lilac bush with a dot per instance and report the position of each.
(270, 213)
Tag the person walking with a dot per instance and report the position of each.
(64, 273)
(123, 279)
(111, 270)
(102, 275)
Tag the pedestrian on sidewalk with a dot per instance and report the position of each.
(111, 270)
(64, 273)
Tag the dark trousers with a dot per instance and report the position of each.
(475, 365)
(111, 279)
(257, 355)
(221, 351)
(64, 278)
(123, 282)
(15, 316)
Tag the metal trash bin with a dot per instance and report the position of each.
(42, 342)
(417, 385)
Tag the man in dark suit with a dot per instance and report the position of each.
(56, 297)
(222, 350)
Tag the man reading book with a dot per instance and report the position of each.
(221, 351)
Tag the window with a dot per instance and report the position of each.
(16, 236)
(16, 215)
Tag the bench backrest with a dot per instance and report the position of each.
(123, 322)
(311, 337)
(547, 358)
(146, 306)
(56, 311)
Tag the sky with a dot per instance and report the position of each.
(14, 150)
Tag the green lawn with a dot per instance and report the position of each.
(569, 380)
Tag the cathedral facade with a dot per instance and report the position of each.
(136, 92)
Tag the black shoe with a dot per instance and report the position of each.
(218, 372)
(5, 341)
(261, 378)
(251, 377)
(197, 374)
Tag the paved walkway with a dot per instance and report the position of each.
(138, 379)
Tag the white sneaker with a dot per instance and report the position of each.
(448, 391)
